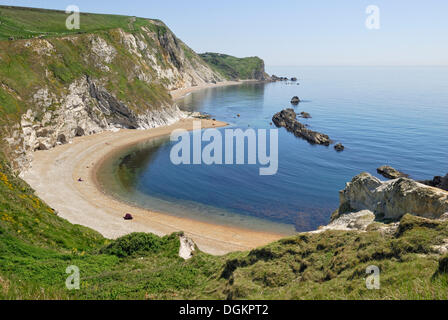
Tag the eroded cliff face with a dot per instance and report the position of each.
(60, 88)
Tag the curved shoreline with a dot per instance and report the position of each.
(183, 92)
(54, 175)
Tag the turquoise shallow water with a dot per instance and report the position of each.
(394, 116)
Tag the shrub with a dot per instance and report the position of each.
(139, 243)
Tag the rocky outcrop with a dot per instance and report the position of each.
(288, 119)
(392, 199)
(339, 147)
(350, 221)
(187, 247)
(367, 203)
(390, 173)
(438, 182)
(305, 115)
(274, 78)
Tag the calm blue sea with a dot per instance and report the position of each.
(394, 116)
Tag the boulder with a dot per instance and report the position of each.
(295, 100)
(288, 119)
(305, 115)
(438, 182)
(186, 248)
(339, 147)
(390, 173)
(392, 199)
(62, 139)
(275, 78)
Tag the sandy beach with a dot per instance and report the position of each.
(180, 93)
(54, 175)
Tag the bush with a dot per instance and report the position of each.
(139, 243)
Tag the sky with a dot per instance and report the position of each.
(295, 32)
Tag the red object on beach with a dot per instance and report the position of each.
(128, 216)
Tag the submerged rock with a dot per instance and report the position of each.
(295, 100)
(305, 115)
(390, 173)
(288, 119)
(339, 147)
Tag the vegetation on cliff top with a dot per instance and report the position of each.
(36, 247)
(24, 23)
(236, 68)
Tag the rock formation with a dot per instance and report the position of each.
(438, 182)
(359, 220)
(390, 173)
(305, 115)
(339, 147)
(275, 78)
(187, 247)
(366, 199)
(392, 199)
(288, 119)
(295, 100)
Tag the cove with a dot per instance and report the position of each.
(394, 116)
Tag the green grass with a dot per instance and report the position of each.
(24, 23)
(235, 68)
(36, 247)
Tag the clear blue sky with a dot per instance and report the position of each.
(295, 32)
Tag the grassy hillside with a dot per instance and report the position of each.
(36, 247)
(236, 68)
(24, 23)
